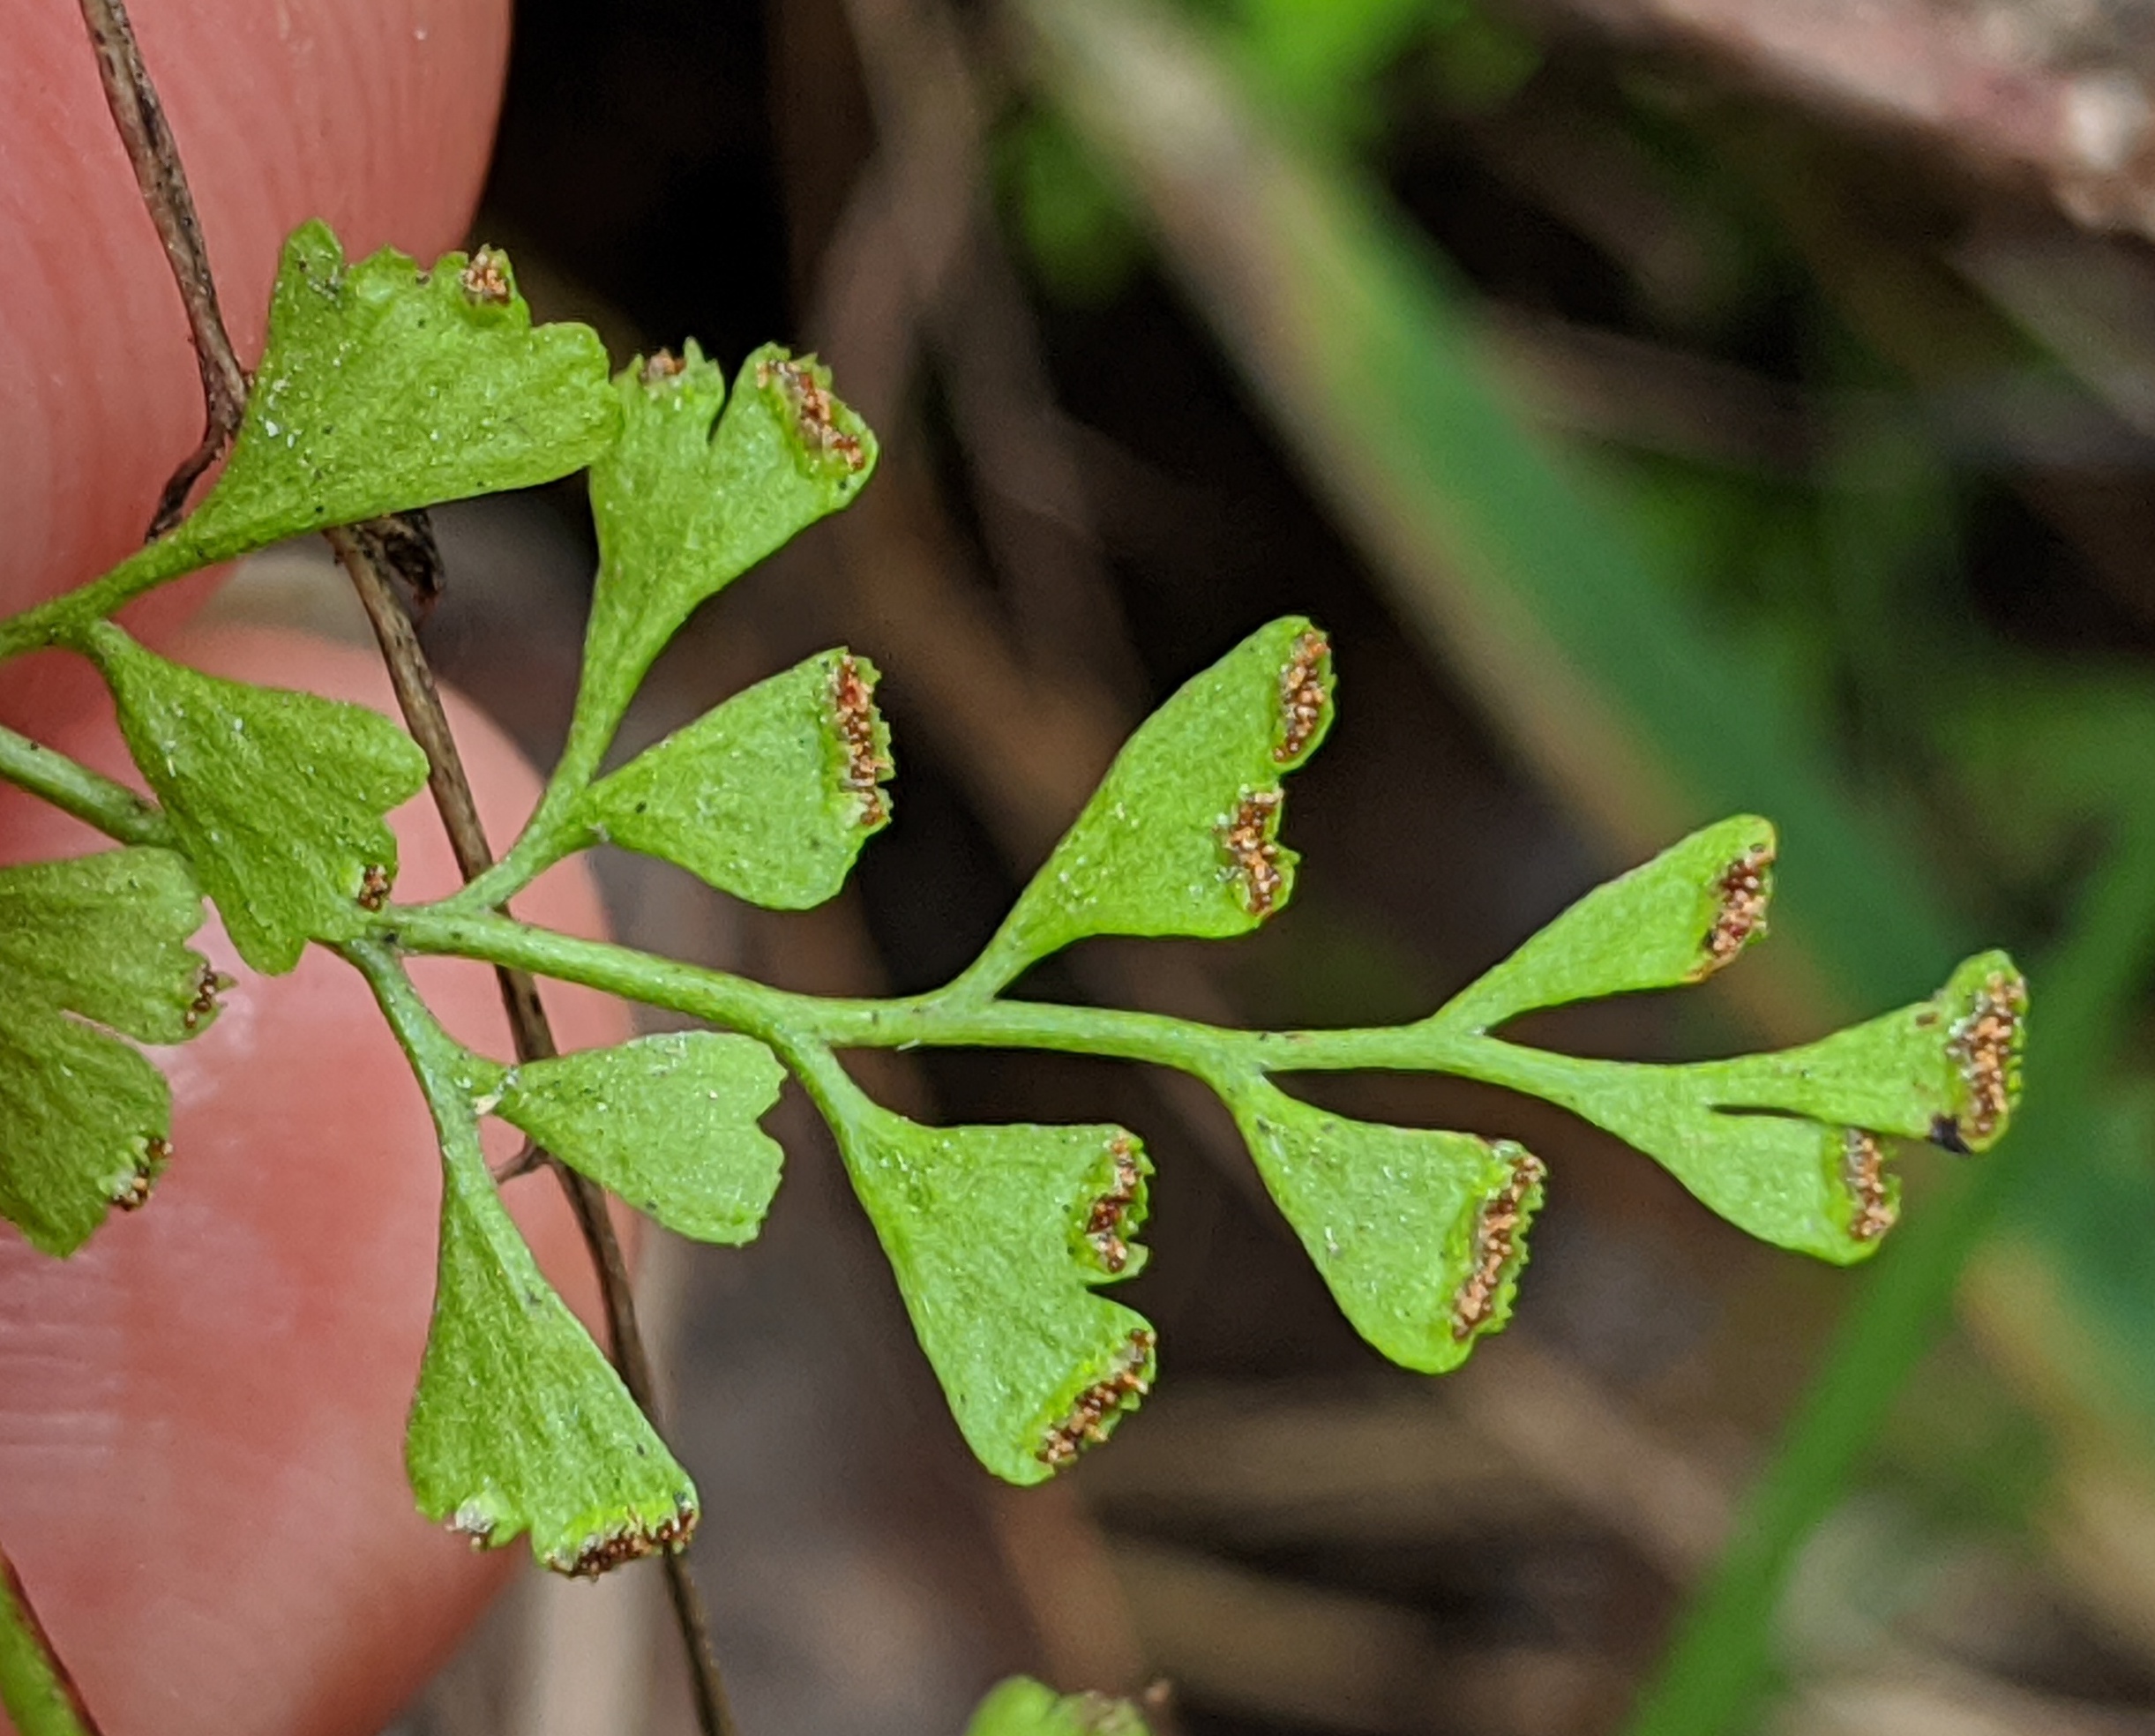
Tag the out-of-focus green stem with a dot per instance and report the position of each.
(34, 1687)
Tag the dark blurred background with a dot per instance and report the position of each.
(1671, 408)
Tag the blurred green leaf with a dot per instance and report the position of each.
(1080, 240)
(769, 796)
(668, 1123)
(85, 1120)
(1316, 64)
(1023, 1707)
(277, 798)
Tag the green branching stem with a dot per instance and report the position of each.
(798, 1026)
(552, 835)
(438, 1062)
(68, 617)
(112, 808)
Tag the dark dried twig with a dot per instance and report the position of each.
(373, 554)
(140, 119)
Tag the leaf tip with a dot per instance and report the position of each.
(1093, 1415)
(1500, 1244)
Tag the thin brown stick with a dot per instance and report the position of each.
(140, 120)
(420, 700)
(373, 555)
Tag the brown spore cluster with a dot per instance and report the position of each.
(1302, 696)
(1863, 1171)
(660, 366)
(209, 984)
(1105, 1226)
(853, 706)
(134, 1193)
(374, 887)
(1740, 896)
(486, 279)
(1247, 839)
(1985, 1048)
(1496, 1245)
(609, 1549)
(814, 410)
(1093, 1415)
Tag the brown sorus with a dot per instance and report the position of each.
(1247, 840)
(1982, 1046)
(853, 704)
(374, 887)
(1302, 696)
(1496, 1245)
(813, 410)
(609, 1549)
(1863, 1169)
(1093, 1415)
(1740, 895)
(1103, 1228)
(208, 985)
(486, 279)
